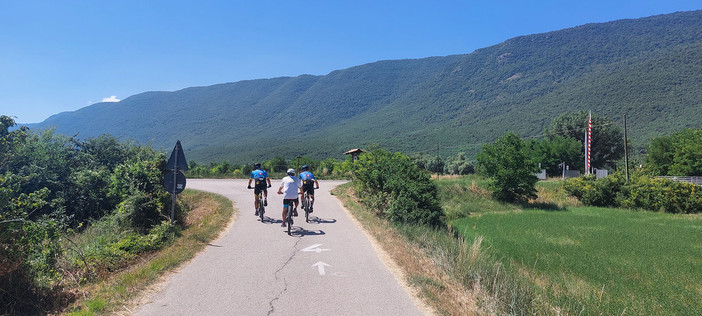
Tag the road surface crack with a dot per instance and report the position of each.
(285, 282)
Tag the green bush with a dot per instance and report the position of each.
(591, 191)
(392, 185)
(142, 212)
(642, 192)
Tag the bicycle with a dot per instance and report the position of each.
(306, 206)
(288, 217)
(261, 207)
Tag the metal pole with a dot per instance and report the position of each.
(175, 181)
(626, 152)
(586, 169)
(589, 143)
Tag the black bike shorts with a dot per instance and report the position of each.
(308, 187)
(260, 187)
(287, 202)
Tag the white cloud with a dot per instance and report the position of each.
(111, 99)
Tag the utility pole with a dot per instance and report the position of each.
(438, 159)
(626, 152)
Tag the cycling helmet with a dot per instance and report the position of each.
(305, 168)
(291, 172)
(257, 166)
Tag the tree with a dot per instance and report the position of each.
(607, 138)
(679, 154)
(435, 165)
(552, 151)
(508, 162)
(278, 164)
(459, 164)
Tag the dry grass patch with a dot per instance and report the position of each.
(479, 190)
(201, 209)
(426, 277)
(435, 176)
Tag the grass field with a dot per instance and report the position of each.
(584, 259)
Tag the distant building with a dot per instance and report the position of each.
(354, 153)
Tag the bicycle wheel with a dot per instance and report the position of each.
(289, 220)
(261, 210)
(307, 208)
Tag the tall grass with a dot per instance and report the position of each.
(599, 260)
(469, 263)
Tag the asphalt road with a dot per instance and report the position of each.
(328, 266)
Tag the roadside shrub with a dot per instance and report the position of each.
(141, 212)
(392, 185)
(161, 235)
(52, 186)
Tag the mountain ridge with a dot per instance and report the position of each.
(649, 68)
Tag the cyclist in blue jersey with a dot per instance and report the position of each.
(262, 184)
(309, 183)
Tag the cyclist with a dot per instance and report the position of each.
(261, 178)
(309, 183)
(289, 186)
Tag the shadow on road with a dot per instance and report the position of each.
(299, 231)
(268, 220)
(317, 220)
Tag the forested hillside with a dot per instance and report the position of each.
(649, 68)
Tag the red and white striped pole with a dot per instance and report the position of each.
(589, 142)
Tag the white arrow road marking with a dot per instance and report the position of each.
(320, 267)
(315, 249)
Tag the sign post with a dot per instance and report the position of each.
(175, 181)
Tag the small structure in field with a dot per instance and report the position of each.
(354, 153)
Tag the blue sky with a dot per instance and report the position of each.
(58, 56)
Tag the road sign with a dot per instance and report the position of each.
(177, 160)
(179, 183)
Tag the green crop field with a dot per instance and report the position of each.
(598, 260)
